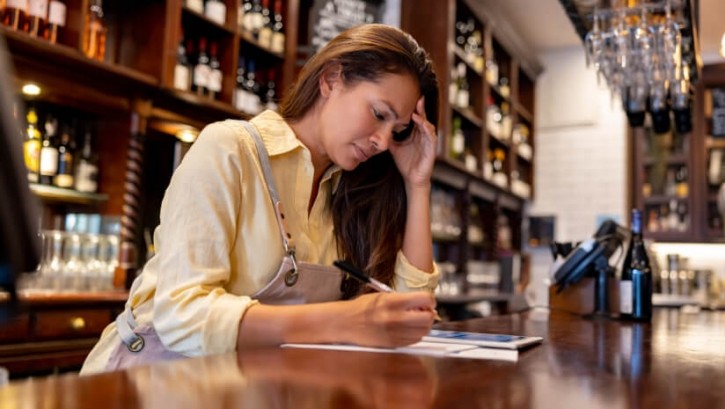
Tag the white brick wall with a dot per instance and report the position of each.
(580, 153)
(580, 169)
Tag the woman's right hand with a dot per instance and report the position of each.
(388, 319)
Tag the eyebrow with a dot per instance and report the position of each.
(390, 107)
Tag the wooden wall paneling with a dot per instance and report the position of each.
(291, 19)
(144, 32)
(75, 18)
(431, 23)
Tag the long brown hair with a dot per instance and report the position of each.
(369, 205)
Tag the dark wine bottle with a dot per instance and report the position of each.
(635, 287)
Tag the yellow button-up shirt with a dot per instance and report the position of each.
(218, 241)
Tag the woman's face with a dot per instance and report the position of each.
(357, 121)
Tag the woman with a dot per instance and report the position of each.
(350, 157)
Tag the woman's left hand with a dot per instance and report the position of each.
(415, 156)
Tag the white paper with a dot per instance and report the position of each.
(423, 348)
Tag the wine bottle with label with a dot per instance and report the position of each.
(31, 146)
(14, 15)
(181, 70)
(56, 20)
(49, 152)
(65, 178)
(37, 18)
(201, 70)
(635, 286)
(86, 175)
(214, 85)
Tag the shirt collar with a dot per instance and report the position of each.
(277, 135)
(279, 138)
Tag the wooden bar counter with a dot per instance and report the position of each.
(677, 361)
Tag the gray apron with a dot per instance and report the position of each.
(294, 283)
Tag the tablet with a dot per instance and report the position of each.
(481, 339)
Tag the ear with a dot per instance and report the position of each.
(331, 77)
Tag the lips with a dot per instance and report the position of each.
(360, 154)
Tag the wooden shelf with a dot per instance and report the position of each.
(469, 115)
(446, 237)
(202, 19)
(32, 49)
(663, 199)
(462, 56)
(249, 39)
(674, 159)
(497, 90)
(56, 194)
(524, 113)
(715, 142)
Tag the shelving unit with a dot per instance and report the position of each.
(483, 199)
(658, 159)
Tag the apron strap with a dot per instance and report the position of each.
(125, 324)
(289, 244)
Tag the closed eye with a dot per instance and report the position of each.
(402, 135)
(378, 115)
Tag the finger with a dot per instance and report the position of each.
(414, 300)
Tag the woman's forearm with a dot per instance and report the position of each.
(417, 242)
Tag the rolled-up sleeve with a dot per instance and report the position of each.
(410, 278)
(193, 314)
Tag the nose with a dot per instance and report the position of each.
(381, 139)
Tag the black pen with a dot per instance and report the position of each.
(369, 281)
(360, 275)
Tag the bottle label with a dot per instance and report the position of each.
(181, 77)
(625, 297)
(257, 21)
(48, 161)
(17, 4)
(265, 38)
(201, 75)
(215, 81)
(56, 13)
(32, 155)
(65, 181)
(216, 11)
(38, 8)
(277, 43)
(87, 177)
(195, 5)
(463, 98)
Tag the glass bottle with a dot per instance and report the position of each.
(94, 35)
(635, 286)
(31, 146)
(65, 177)
(181, 70)
(271, 94)
(195, 5)
(49, 152)
(56, 20)
(214, 85)
(264, 37)
(240, 92)
(86, 176)
(463, 97)
(458, 140)
(252, 86)
(201, 69)
(216, 11)
(14, 15)
(37, 18)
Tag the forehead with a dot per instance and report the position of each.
(401, 91)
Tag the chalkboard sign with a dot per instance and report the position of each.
(718, 112)
(328, 18)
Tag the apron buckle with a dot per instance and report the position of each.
(137, 344)
(290, 278)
